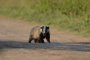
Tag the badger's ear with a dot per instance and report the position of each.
(41, 27)
(40, 30)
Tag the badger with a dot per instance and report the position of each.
(39, 33)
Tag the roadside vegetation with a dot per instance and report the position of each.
(71, 15)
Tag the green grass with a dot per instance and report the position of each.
(72, 15)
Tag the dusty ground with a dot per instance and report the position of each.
(14, 44)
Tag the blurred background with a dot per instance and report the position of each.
(71, 15)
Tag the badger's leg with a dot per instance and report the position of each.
(48, 38)
(30, 39)
(36, 40)
(41, 40)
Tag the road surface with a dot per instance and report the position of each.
(14, 35)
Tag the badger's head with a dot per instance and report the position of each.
(44, 30)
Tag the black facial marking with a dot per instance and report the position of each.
(45, 30)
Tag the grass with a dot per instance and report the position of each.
(72, 15)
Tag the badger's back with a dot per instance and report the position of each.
(35, 32)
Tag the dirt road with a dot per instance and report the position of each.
(14, 44)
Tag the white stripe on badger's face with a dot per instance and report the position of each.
(44, 29)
